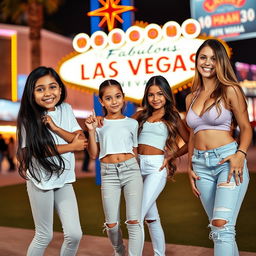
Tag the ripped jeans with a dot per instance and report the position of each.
(124, 176)
(220, 200)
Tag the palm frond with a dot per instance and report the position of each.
(13, 9)
(51, 6)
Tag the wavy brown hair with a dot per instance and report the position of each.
(171, 117)
(225, 76)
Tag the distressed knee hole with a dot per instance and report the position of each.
(150, 221)
(132, 222)
(226, 185)
(219, 223)
(111, 225)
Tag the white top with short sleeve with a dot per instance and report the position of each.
(63, 117)
(117, 136)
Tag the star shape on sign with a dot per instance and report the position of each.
(110, 12)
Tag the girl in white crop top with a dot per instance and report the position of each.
(160, 128)
(116, 145)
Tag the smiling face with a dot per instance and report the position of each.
(47, 92)
(112, 99)
(156, 98)
(206, 63)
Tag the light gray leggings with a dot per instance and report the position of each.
(42, 204)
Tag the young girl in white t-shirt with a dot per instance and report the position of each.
(47, 138)
(116, 145)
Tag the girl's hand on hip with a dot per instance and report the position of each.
(164, 165)
(167, 157)
(47, 120)
(192, 178)
(236, 167)
(79, 144)
(91, 122)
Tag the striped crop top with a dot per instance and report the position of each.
(210, 120)
(154, 134)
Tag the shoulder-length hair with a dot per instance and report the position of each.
(33, 134)
(225, 75)
(171, 116)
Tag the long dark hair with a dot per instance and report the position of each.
(104, 85)
(171, 116)
(36, 145)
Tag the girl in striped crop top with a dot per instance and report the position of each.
(217, 167)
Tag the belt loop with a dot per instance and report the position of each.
(216, 152)
(125, 163)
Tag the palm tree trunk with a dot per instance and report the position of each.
(35, 22)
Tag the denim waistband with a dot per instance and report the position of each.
(217, 151)
(151, 156)
(120, 164)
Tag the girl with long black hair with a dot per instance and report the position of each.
(48, 135)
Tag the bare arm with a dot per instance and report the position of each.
(191, 174)
(76, 140)
(191, 135)
(76, 144)
(239, 109)
(67, 136)
(93, 147)
(183, 132)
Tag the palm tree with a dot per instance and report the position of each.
(32, 11)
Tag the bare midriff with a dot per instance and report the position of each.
(149, 150)
(210, 139)
(116, 158)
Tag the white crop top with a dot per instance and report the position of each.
(117, 136)
(154, 134)
(63, 117)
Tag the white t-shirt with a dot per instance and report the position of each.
(63, 117)
(117, 136)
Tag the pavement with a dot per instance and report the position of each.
(15, 241)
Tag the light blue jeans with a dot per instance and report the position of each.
(124, 176)
(220, 200)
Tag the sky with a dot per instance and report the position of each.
(72, 19)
